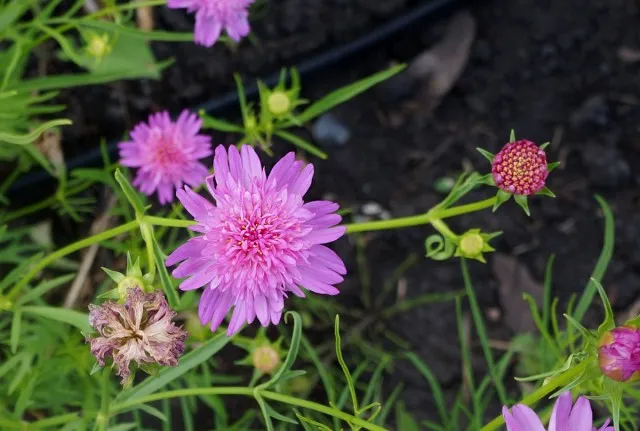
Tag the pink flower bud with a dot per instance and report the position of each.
(619, 353)
(139, 330)
(520, 168)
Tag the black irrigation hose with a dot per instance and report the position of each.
(426, 9)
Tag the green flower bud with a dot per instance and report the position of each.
(472, 244)
(98, 46)
(279, 103)
(265, 359)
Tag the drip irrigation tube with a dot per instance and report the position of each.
(422, 11)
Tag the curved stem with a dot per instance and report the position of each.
(233, 390)
(107, 234)
(428, 217)
(539, 393)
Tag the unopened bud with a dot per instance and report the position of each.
(278, 103)
(265, 359)
(619, 353)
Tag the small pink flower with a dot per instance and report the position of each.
(520, 168)
(166, 154)
(564, 417)
(259, 242)
(619, 353)
(139, 330)
(212, 16)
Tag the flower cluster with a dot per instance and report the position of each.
(167, 154)
(520, 168)
(259, 242)
(140, 330)
(212, 16)
(565, 417)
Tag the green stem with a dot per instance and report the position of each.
(250, 393)
(102, 421)
(161, 221)
(553, 384)
(68, 250)
(429, 217)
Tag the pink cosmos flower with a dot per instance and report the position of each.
(520, 168)
(166, 154)
(259, 241)
(564, 417)
(212, 16)
(619, 353)
(140, 330)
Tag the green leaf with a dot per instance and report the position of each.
(501, 197)
(292, 354)
(343, 365)
(130, 193)
(44, 287)
(278, 416)
(165, 280)
(13, 11)
(134, 32)
(603, 261)
(521, 200)
(343, 94)
(221, 125)
(305, 422)
(487, 155)
(169, 374)
(28, 138)
(583, 331)
(404, 421)
(434, 385)
(512, 136)
(16, 326)
(71, 317)
(302, 144)
(545, 145)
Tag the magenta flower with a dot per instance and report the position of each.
(258, 242)
(212, 16)
(520, 168)
(564, 417)
(619, 353)
(139, 330)
(166, 154)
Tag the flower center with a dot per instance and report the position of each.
(166, 153)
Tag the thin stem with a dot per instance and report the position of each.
(102, 421)
(68, 250)
(170, 222)
(553, 384)
(428, 217)
(250, 393)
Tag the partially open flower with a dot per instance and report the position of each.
(140, 330)
(619, 353)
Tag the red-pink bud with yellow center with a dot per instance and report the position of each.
(619, 353)
(520, 168)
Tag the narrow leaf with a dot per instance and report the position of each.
(63, 315)
(487, 155)
(130, 193)
(521, 200)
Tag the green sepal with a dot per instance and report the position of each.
(544, 146)
(546, 192)
(501, 197)
(487, 155)
(524, 204)
(512, 136)
(110, 294)
(609, 321)
(96, 367)
(586, 334)
(488, 180)
(551, 166)
(150, 368)
(114, 275)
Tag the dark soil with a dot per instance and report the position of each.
(548, 69)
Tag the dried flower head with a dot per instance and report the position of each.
(259, 241)
(212, 16)
(166, 154)
(139, 330)
(520, 168)
(619, 353)
(565, 417)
